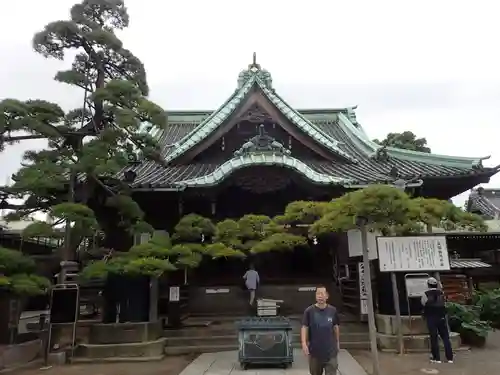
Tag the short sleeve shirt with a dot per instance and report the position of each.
(251, 279)
(320, 323)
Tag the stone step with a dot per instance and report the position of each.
(85, 360)
(182, 350)
(121, 333)
(137, 349)
(233, 299)
(229, 328)
(345, 317)
(232, 339)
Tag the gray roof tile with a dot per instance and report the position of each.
(485, 201)
(367, 170)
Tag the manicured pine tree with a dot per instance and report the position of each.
(86, 147)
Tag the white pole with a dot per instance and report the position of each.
(369, 292)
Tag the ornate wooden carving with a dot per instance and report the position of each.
(381, 155)
(255, 115)
(262, 143)
(263, 179)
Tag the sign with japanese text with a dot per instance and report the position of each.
(363, 295)
(416, 253)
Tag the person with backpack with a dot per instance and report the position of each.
(433, 302)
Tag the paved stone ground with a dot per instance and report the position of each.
(225, 363)
(169, 366)
(474, 362)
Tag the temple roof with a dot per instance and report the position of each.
(358, 160)
(485, 202)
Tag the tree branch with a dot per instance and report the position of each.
(21, 137)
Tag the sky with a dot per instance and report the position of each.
(431, 67)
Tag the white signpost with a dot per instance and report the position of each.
(408, 254)
(355, 246)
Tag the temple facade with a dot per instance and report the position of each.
(256, 153)
(257, 150)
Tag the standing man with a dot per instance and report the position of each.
(320, 335)
(252, 281)
(433, 302)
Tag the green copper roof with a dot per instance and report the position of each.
(318, 124)
(212, 122)
(369, 148)
(302, 123)
(262, 159)
(246, 80)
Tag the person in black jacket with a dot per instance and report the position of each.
(433, 302)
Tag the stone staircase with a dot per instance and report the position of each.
(233, 300)
(204, 334)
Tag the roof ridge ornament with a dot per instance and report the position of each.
(254, 70)
(254, 66)
(262, 143)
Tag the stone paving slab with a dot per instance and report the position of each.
(226, 363)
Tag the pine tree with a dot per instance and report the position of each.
(88, 146)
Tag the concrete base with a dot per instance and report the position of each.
(416, 343)
(17, 355)
(387, 325)
(121, 333)
(136, 349)
(415, 333)
(56, 359)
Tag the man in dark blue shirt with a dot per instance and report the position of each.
(320, 335)
(433, 302)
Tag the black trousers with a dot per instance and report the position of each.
(320, 367)
(438, 328)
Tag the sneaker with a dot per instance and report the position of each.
(449, 361)
(434, 361)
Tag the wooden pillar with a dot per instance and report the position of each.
(180, 206)
(213, 206)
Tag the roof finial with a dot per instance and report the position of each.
(254, 64)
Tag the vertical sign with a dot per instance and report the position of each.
(174, 294)
(363, 295)
(354, 244)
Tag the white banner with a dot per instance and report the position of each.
(418, 253)
(354, 244)
(416, 285)
(174, 294)
(363, 295)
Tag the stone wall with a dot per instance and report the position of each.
(13, 356)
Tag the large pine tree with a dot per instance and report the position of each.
(87, 146)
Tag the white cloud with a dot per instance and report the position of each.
(427, 66)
